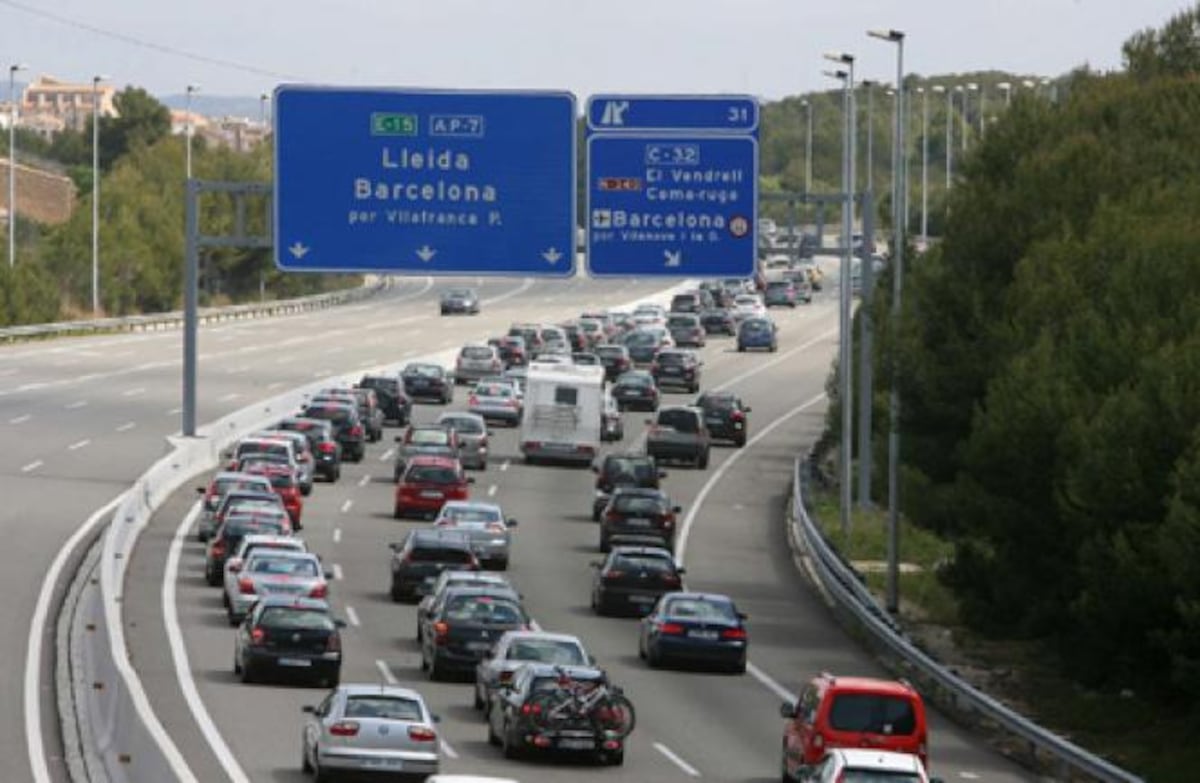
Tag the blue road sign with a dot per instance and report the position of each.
(667, 205)
(424, 182)
(674, 113)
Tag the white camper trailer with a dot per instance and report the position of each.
(564, 406)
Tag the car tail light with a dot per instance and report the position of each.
(671, 629)
(319, 591)
(333, 643)
(356, 431)
(344, 728)
(245, 586)
(614, 574)
(541, 741)
(472, 400)
(531, 709)
(670, 579)
(818, 740)
(325, 448)
(496, 527)
(738, 416)
(258, 636)
(653, 366)
(495, 364)
(734, 634)
(441, 630)
(505, 677)
(234, 565)
(218, 548)
(421, 734)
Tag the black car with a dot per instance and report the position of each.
(289, 635)
(424, 555)
(586, 358)
(511, 349)
(234, 526)
(575, 337)
(686, 329)
(636, 389)
(642, 345)
(327, 452)
(718, 322)
(638, 515)
(615, 359)
(393, 400)
(725, 416)
(460, 300)
(347, 426)
(675, 368)
(514, 725)
(633, 578)
(462, 629)
(370, 412)
(623, 470)
(428, 381)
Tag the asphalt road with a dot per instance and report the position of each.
(690, 724)
(81, 418)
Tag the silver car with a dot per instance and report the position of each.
(519, 647)
(475, 361)
(472, 437)
(222, 484)
(485, 526)
(273, 572)
(497, 400)
(305, 462)
(370, 728)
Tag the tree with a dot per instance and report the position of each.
(141, 121)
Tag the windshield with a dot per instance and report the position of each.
(430, 437)
(432, 474)
(639, 504)
(463, 424)
(485, 609)
(281, 566)
(471, 515)
(552, 651)
(699, 609)
(293, 618)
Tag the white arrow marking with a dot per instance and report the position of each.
(552, 255)
(674, 257)
(426, 253)
(298, 250)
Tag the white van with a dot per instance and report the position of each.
(564, 407)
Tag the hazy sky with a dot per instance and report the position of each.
(766, 47)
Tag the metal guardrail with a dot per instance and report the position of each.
(1046, 750)
(173, 319)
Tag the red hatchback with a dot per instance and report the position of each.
(283, 482)
(427, 483)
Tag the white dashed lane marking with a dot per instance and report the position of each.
(127, 426)
(674, 758)
(37, 463)
(20, 419)
(347, 505)
(78, 445)
(76, 405)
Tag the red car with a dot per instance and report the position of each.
(283, 482)
(427, 483)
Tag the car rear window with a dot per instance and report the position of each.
(494, 390)
(336, 415)
(430, 437)
(609, 351)
(243, 505)
(681, 421)
(666, 357)
(779, 285)
(282, 566)
(699, 609)
(471, 515)
(239, 526)
(877, 776)
(470, 426)
(478, 352)
(423, 370)
(872, 713)
(629, 467)
(755, 326)
(296, 618)
(639, 504)
(651, 563)
(554, 651)
(545, 684)
(717, 403)
(636, 379)
(434, 554)
(483, 609)
(432, 474)
(283, 481)
(383, 708)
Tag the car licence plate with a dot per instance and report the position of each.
(576, 744)
(477, 646)
(384, 763)
(430, 493)
(638, 522)
(707, 635)
(297, 662)
(642, 599)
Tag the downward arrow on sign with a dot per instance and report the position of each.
(426, 253)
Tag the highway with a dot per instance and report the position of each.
(81, 418)
(691, 724)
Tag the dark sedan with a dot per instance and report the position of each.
(632, 579)
(718, 322)
(460, 300)
(677, 368)
(289, 635)
(347, 426)
(636, 389)
(389, 390)
(460, 632)
(615, 359)
(646, 516)
(725, 416)
(428, 381)
(695, 628)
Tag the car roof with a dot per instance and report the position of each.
(293, 554)
(540, 669)
(641, 491)
(881, 760)
(697, 596)
(379, 689)
(477, 504)
(433, 534)
(433, 460)
(869, 685)
(448, 415)
(656, 551)
(673, 408)
(293, 602)
(233, 475)
(548, 636)
(271, 538)
(492, 590)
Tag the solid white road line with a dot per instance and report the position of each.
(174, 411)
(20, 419)
(386, 672)
(676, 760)
(346, 506)
(229, 397)
(127, 426)
(37, 633)
(365, 480)
(337, 572)
(492, 491)
(274, 385)
(770, 682)
(352, 616)
(387, 455)
(76, 405)
(179, 656)
(37, 463)
(447, 749)
(719, 473)
(337, 534)
(78, 444)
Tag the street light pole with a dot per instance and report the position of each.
(96, 194)
(893, 575)
(12, 160)
(1006, 88)
(925, 165)
(844, 310)
(191, 90)
(808, 108)
(870, 85)
(972, 87)
(949, 134)
(262, 109)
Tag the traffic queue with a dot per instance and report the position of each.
(563, 387)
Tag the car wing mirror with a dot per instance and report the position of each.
(394, 547)
(398, 439)
(512, 523)
(328, 575)
(596, 564)
(746, 409)
(201, 490)
(340, 623)
(787, 710)
(681, 570)
(743, 616)
(435, 718)
(662, 474)
(308, 708)
(677, 509)
(470, 479)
